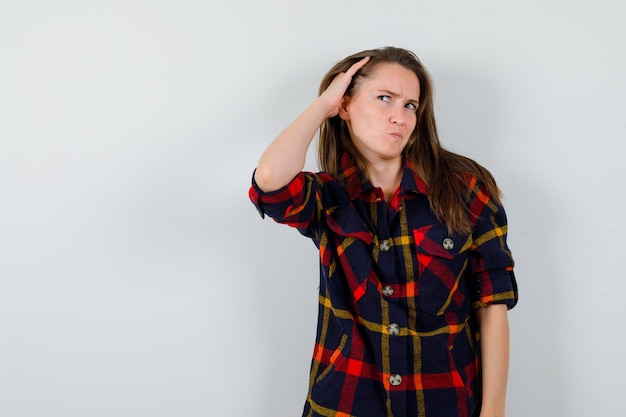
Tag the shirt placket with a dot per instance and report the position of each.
(394, 318)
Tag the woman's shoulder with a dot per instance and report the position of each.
(475, 177)
(329, 191)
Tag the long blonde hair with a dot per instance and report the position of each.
(446, 173)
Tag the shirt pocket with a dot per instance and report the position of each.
(442, 261)
(345, 222)
(345, 251)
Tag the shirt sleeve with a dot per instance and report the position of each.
(294, 204)
(491, 260)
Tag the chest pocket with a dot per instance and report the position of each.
(442, 261)
(345, 222)
(346, 250)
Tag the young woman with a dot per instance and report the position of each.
(415, 273)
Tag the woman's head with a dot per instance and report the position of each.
(334, 133)
(445, 172)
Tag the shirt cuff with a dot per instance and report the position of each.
(497, 287)
(276, 199)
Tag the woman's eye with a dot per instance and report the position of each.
(411, 106)
(384, 98)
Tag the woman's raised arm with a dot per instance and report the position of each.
(284, 158)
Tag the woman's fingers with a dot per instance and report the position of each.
(337, 88)
(357, 66)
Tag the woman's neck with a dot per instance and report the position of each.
(386, 175)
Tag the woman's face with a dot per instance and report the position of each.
(381, 113)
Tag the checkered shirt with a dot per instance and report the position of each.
(397, 334)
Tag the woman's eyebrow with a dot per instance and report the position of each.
(394, 94)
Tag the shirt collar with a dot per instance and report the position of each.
(351, 177)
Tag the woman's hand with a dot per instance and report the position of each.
(335, 92)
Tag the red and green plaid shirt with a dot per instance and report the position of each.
(396, 332)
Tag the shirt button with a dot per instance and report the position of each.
(384, 245)
(395, 380)
(387, 290)
(448, 243)
(394, 329)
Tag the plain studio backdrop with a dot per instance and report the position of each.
(136, 278)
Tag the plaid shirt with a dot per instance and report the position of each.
(396, 335)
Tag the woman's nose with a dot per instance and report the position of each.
(397, 117)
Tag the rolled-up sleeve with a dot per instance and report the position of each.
(491, 261)
(293, 204)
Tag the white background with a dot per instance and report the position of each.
(136, 278)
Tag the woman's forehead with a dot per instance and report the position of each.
(393, 77)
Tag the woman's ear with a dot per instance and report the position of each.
(343, 108)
